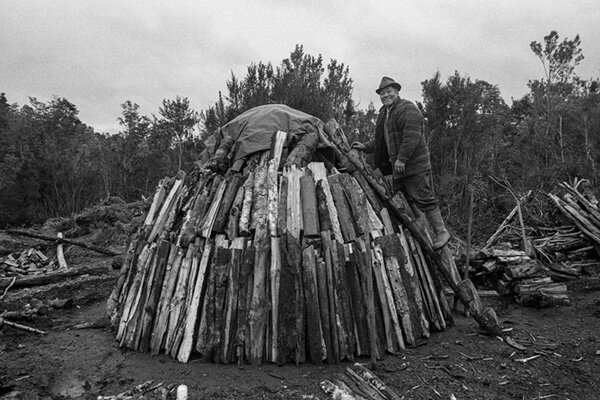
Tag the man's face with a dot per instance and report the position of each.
(388, 95)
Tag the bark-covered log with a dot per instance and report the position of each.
(219, 162)
(303, 152)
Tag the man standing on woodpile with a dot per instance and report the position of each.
(401, 153)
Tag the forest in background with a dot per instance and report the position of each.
(53, 164)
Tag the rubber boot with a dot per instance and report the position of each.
(437, 223)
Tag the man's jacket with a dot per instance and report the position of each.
(407, 140)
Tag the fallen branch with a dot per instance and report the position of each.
(19, 326)
(8, 287)
(38, 280)
(58, 240)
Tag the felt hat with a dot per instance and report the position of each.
(387, 81)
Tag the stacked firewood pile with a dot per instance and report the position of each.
(581, 207)
(28, 262)
(515, 274)
(567, 252)
(285, 260)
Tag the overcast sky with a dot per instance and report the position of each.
(98, 54)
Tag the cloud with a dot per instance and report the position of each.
(99, 54)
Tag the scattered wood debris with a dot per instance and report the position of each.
(515, 274)
(28, 262)
(148, 391)
(359, 383)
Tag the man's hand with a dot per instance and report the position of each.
(358, 146)
(399, 167)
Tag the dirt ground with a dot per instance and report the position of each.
(561, 359)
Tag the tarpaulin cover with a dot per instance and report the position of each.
(253, 130)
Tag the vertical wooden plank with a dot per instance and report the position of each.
(162, 317)
(245, 292)
(311, 297)
(308, 198)
(289, 285)
(334, 352)
(346, 218)
(185, 350)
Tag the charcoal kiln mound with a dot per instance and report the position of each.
(274, 250)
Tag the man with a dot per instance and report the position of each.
(401, 151)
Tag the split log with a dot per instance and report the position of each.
(260, 198)
(343, 209)
(188, 298)
(168, 207)
(225, 206)
(387, 300)
(245, 215)
(159, 195)
(408, 271)
(323, 211)
(359, 310)
(187, 344)
(357, 202)
(311, 297)
(179, 299)
(542, 294)
(133, 296)
(149, 310)
(308, 197)
(272, 197)
(394, 257)
(293, 206)
(215, 199)
(288, 337)
(162, 317)
(277, 146)
(259, 308)
(333, 352)
(189, 229)
(244, 298)
(428, 290)
(366, 273)
(345, 323)
(282, 207)
(320, 175)
(324, 307)
(222, 264)
(234, 214)
(57, 239)
(275, 278)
